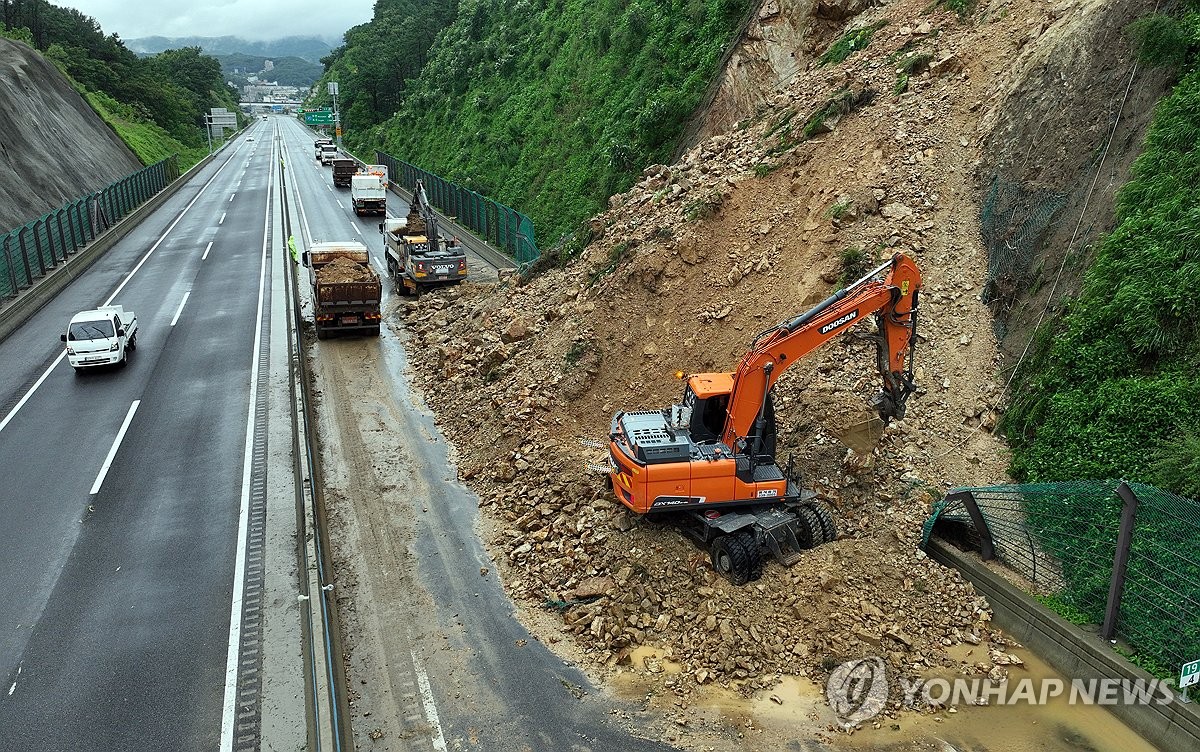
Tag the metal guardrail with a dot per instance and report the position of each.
(1122, 556)
(323, 602)
(504, 227)
(29, 252)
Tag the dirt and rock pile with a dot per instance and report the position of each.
(342, 270)
(852, 162)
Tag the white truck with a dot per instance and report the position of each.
(101, 337)
(327, 153)
(368, 192)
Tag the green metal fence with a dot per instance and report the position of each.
(1124, 556)
(33, 249)
(504, 227)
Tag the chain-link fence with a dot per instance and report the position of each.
(1124, 556)
(1014, 220)
(30, 251)
(505, 228)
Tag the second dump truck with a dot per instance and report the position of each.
(346, 291)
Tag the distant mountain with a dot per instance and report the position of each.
(311, 49)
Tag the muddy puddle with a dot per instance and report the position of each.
(795, 714)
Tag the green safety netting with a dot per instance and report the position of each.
(1061, 539)
(502, 226)
(29, 251)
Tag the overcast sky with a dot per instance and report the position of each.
(249, 19)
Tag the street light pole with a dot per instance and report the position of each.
(337, 120)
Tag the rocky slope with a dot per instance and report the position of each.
(874, 155)
(57, 144)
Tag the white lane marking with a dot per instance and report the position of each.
(207, 248)
(32, 389)
(431, 714)
(233, 657)
(178, 311)
(112, 452)
(41, 379)
(356, 229)
(12, 689)
(329, 188)
(221, 221)
(232, 195)
(341, 204)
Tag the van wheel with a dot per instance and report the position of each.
(132, 344)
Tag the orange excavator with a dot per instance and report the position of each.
(709, 464)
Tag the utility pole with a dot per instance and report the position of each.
(337, 120)
(208, 131)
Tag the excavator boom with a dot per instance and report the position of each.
(893, 301)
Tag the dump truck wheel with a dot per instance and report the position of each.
(730, 559)
(828, 527)
(810, 533)
(754, 557)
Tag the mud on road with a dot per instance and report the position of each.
(434, 657)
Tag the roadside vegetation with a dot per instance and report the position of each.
(545, 105)
(1109, 389)
(155, 103)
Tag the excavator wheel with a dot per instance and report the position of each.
(828, 528)
(810, 533)
(730, 559)
(749, 543)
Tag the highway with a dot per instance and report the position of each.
(439, 661)
(127, 494)
(122, 491)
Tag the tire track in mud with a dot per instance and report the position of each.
(371, 528)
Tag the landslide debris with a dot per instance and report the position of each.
(851, 163)
(342, 270)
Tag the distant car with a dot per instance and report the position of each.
(264, 117)
(249, 138)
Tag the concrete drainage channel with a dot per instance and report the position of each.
(1172, 727)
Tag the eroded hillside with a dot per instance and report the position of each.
(850, 162)
(46, 126)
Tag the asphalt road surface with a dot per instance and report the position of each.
(120, 490)
(449, 662)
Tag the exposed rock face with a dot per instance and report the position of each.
(57, 144)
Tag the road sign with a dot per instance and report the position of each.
(1189, 674)
(338, 132)
(318, 118)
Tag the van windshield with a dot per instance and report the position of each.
(102, 329)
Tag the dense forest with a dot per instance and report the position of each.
(1111, 388)
(550, 106)
(156, 103)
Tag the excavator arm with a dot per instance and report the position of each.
(893, 301)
